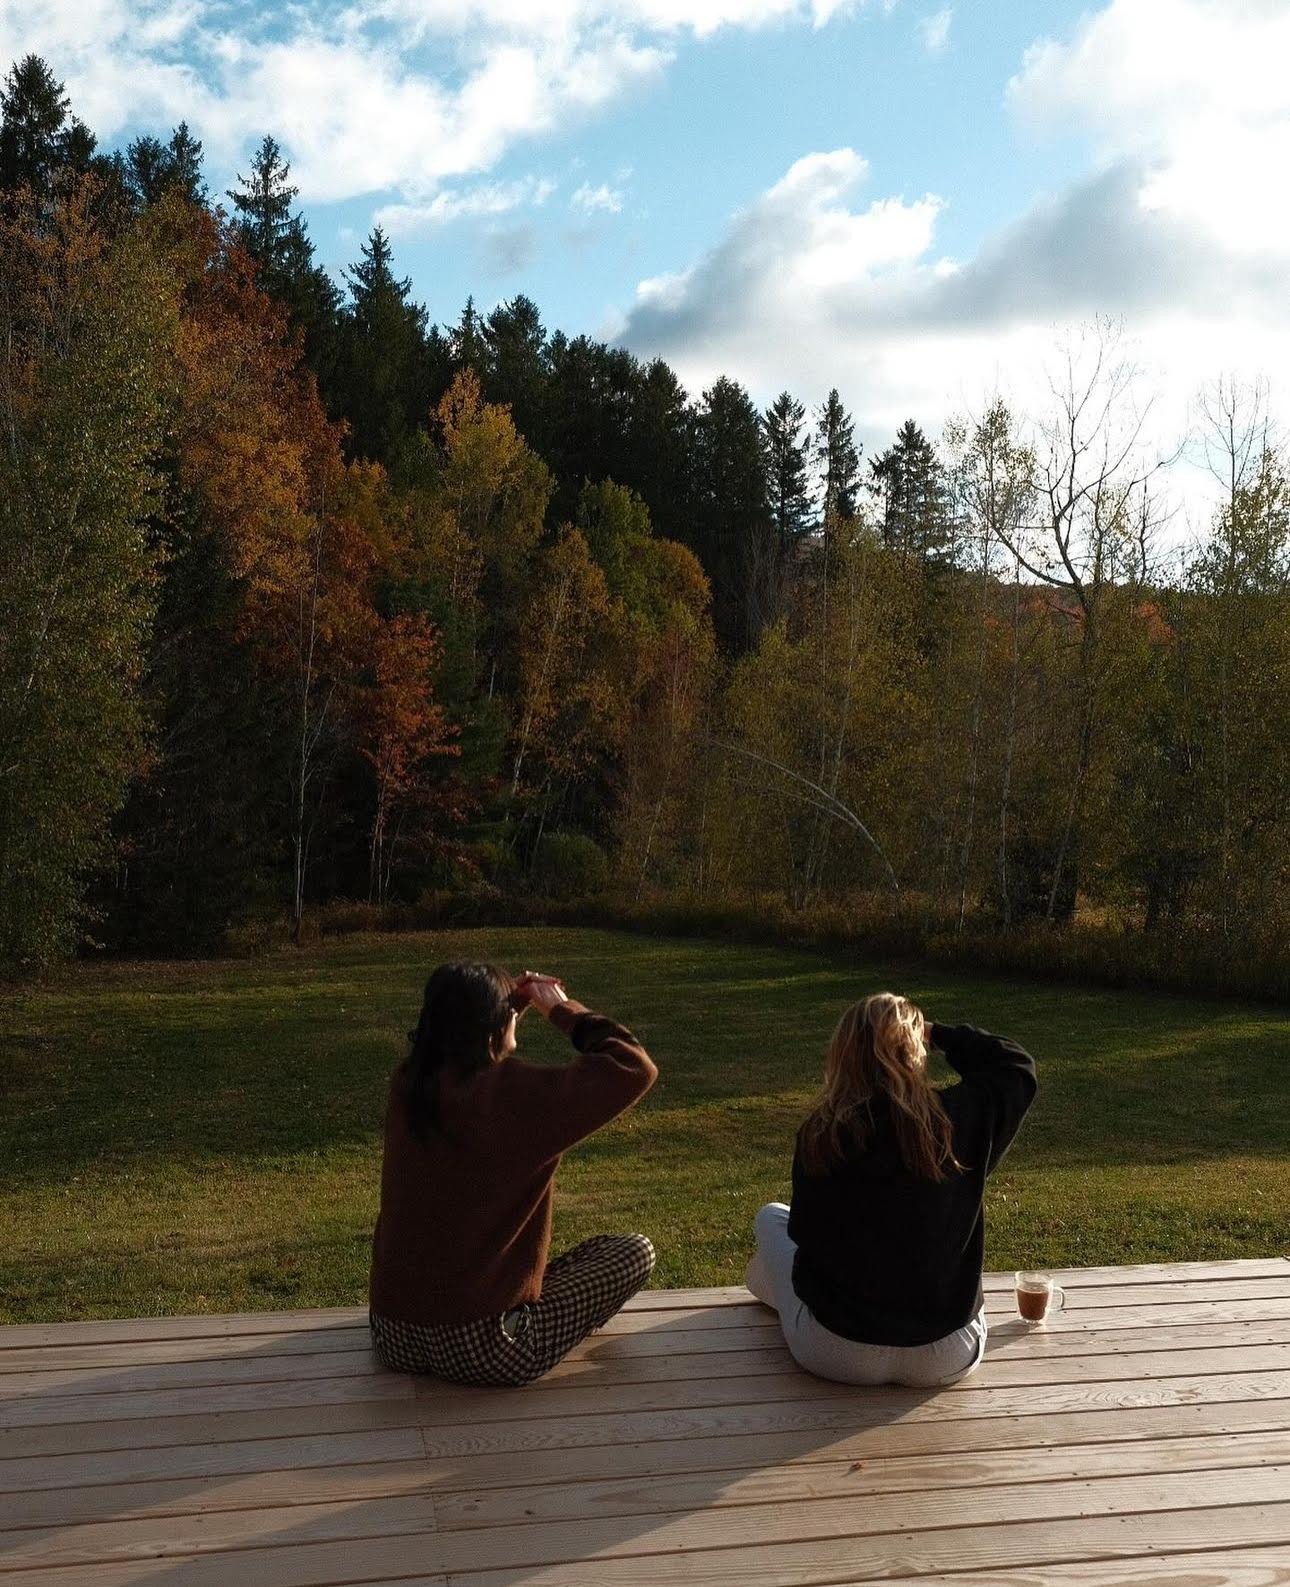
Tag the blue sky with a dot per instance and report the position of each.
(922, 203)
(683, 150)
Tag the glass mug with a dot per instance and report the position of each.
(1037, 1295)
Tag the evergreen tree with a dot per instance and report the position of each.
(185, 173)
(262, 209)
(467, 341)
(278, 241)
(909, 482)
(382, 376)
(838, 459)
(660, 456)
(38, 138)
(593, 395)
(147, 166)
(787, 471)
(517, 367)
(733, 536)
(153, 169)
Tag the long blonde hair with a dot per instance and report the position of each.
(878, 1049)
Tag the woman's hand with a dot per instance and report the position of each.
(544, 992)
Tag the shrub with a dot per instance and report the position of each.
(569, 865)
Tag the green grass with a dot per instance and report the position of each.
(187, 1137)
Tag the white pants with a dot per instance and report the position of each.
(828, 1355)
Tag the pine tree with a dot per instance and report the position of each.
(734, 534)
(153, 169)
(838, 459)
(382, 370)
(147, 165)
(185, 174)
(517, 366)
(787, 470)
(278, 241)
(909, 482)
(467, 341)
(262, 206)
(38, 138)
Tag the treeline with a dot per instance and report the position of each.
(304, 598)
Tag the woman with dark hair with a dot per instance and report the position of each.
(875, 1269)
(461, 1286)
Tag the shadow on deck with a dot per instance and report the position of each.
(1142, 1437)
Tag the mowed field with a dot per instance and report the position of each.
(191, 1137)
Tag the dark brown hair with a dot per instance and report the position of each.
(464, 1014)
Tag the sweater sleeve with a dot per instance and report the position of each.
(1001, 1070)
(610, 1072)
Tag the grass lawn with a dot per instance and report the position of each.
(189, 1137)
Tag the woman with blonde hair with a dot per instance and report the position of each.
(875, 1269)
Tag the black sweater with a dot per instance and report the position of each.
(889, 1258)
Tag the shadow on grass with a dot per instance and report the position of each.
(134, 1067)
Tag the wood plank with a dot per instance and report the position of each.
(176, 1536)
(1033, 1343)
(1271, 1273)
(1246, 1567)
(210, 1372)
(1114, 1297)
(118, 1330)
(853, 1479)
(1137, 1273)
(763, 1335)
(453, 1403)
(202, 1462)
(592, 1376)
(171, 1496)
(1156, 1272)
(1157, 1314)
(159, 1432)
(837, 1413)
(326, 1318)
(128, 1391)
(885, 1537)
(143, 1352)
(486, 1505)
(450, 1405)
(1077, 1431)
(81, 1409)
(535, 1428)
(1154, 1539)
(1003, 1341)
(605, 1538)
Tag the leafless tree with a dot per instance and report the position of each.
(1098, 523)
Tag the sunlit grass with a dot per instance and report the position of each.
(185, 1137)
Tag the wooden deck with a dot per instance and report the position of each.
(1143, 1437)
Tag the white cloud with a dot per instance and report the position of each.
(557, 18)
(809, 288)
(588, 200)
(368, 96)
(934, 29)
(1176, 230)
(487, 199)
(352, 82)
(1197, 90)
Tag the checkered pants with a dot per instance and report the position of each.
(580, 1290)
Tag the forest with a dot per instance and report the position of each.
(312, 609)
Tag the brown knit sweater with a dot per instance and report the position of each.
(465, 1221)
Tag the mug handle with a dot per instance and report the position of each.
(1059, 1298)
